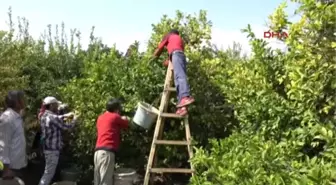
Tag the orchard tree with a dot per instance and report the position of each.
(136, 78)
(10, 63)
(285, 104)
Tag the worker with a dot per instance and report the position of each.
(52, 125)
(12, 138)
(175, 46)
(109, 125)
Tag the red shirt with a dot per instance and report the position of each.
(173, 42)
(109, 126)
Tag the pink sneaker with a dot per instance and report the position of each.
(186, 101)
(182, 111)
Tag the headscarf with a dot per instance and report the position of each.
(42, 110)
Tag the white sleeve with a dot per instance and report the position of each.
(5, 139)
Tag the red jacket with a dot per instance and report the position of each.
(173, 42)
(109, 126)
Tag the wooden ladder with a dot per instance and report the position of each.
(157, 138)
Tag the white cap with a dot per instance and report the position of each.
(49, 100)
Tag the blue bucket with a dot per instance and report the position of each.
(145, 115)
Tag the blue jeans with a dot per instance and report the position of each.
(180, 74)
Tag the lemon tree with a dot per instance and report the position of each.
(285, 104)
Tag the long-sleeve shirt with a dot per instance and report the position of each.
(173, 42)
(51, 127)
(109, 126)
(12, 140)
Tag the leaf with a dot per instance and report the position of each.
(333, 44)
(324, 131)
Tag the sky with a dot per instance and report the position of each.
(123, 22)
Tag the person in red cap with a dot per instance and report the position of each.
(175, 46)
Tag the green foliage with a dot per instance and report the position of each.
(249, 159)
(10, 54)
(135, 78)
(51, 68)
(285, 104)
(271, 116)
(37, 66)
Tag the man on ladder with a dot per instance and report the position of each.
(175, 46)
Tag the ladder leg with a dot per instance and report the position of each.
(152, 152)
(168, 82)
(188, 138)
(159, 124)
(155, 157)
(160, 136)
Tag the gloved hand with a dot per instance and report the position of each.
(68, 115)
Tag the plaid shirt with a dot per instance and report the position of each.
(52, 126)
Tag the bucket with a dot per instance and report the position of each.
(124, 176)
(15, 181)
(145, 115)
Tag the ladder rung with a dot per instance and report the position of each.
(170, 89)
(171, 115)
(171, 170)
(171, 142)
